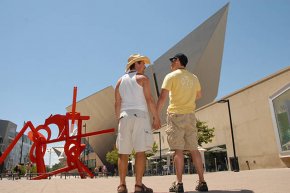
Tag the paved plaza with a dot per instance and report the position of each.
(253, 181)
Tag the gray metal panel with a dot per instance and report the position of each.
(204, 49)
(209, 66)
(150, 74)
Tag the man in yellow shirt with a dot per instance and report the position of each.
(183, 89)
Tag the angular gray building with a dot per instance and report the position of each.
(7, 134)
(204, 48)
(20, 152)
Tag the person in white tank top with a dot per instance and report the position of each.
(132, 93)
(132, 100)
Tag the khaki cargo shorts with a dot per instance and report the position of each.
(181, 131)
(134, 132)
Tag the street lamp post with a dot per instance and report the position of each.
(235, 161)
(159, 135)
(2, 164)
(21, 147)
(49, 151)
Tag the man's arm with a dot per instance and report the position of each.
(161, 100)
(151, 103)
(118, 100)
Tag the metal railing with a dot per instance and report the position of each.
(65, 175)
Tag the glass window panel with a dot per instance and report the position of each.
(281, 106)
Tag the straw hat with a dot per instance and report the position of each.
(135, 58)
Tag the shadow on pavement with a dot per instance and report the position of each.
(227, 191)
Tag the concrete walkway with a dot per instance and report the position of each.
(253, 181)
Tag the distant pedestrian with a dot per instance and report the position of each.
(28, 168)
(96, 171)
(17, 171)
(104, 171)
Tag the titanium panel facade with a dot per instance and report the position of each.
(100, 107)
(204, 48)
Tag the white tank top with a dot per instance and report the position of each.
(132, 93)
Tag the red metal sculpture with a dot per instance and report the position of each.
(72, 148)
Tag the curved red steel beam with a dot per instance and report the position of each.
(73, 146)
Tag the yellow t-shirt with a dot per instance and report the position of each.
(183, 87)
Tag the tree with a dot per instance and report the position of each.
(57, 166)
(205, 134)
(154, 150)
(112, 157)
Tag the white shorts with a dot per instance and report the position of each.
(134, 132)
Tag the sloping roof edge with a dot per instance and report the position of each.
(247, 87)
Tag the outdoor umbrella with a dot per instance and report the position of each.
(217, 150)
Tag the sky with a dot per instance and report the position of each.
(48, 47)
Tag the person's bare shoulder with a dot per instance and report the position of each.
(118, 83)
(142, 79)
(141, 76)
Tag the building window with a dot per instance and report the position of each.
(280, 103)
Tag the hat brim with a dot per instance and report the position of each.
(172, 58)
(141, 58)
